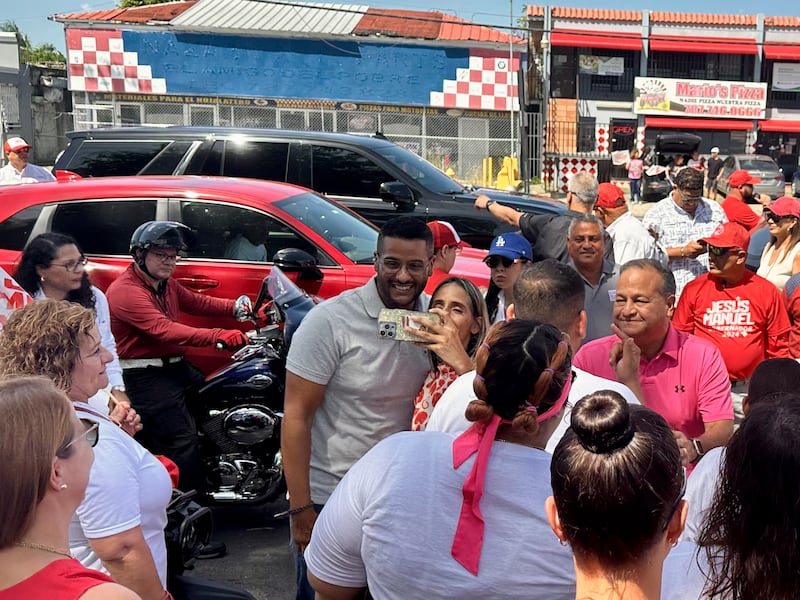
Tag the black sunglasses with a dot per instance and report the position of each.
(495, 261)
(718, 251)
(771, 216)
(91, 433)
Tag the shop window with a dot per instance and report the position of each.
(586, 134)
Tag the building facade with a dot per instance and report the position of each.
(438, 85)
(613, 80)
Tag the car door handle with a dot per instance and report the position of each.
(198, 284)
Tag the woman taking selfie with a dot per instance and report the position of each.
(47, 455)
(427, 515)
(618, 488)
(453, 342)
(119, 526)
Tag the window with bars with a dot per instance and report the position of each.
(690, 65)
(564, 74)
(778, 98)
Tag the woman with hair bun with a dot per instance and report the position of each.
(618, 487)
(430, 515)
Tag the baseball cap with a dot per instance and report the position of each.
(741, 177)
(785, 206)
(609, 196)
(715, 150)
(445, 234)
(15, 144)
(729, 235)
(510, 245)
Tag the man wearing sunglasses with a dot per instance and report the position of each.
(19, 170)
(741, 191)
(741, 313)
(679, 221)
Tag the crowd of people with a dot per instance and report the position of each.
(570, 432)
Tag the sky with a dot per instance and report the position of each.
(31, 15)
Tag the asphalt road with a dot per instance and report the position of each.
(258, 558)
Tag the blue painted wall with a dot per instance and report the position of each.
(205, 64)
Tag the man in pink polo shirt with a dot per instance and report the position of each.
(681, 376)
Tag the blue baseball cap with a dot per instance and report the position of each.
(511, 245)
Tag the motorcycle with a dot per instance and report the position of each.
(240, 407)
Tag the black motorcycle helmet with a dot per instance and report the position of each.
(159, 234)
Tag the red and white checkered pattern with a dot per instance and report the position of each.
(488, 84)
(640, 138)
(98, 62)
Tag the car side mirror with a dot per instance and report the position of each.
(294, 260)
(397, 193)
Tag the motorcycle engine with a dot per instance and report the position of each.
(245, 425)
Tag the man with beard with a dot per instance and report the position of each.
(347, 388)
(586, 245)
(741, 190)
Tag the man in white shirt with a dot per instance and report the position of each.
(631, 238)
(551, 292)
(19, 170)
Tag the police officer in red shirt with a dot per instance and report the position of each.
(145, 304)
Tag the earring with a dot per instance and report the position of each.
(63, 486)
(41, 278)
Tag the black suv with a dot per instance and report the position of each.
(371, 175)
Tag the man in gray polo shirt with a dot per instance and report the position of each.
(346, 388)
(586, 246)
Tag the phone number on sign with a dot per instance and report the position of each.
(725, 111)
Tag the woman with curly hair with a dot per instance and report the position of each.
(427, 515)
(118, 528)
(47, 455)
(618, 486)
(53, 266)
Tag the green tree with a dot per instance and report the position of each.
(43, 53)
(133, 3)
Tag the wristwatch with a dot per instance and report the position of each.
(489, 203)
(698, 447)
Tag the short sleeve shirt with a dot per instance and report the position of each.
(746, 321)
(686, 382)
(676, 228)
(738, 212)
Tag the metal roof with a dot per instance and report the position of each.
(306, 17)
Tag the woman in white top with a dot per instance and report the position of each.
(781, 257)
(119, 526)
(618, 486)
(53, 266)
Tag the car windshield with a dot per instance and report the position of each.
(420, 169)
(356, 239)
(757, 164)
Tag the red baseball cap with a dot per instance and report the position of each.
(729, 235)
(785, 206)
(609, 196)
(15, 144)
(741, 177)
(445, 234)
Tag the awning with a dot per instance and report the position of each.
(782, 51)
(683, 123)
(671, 43)
(596, 39)
(782, 125)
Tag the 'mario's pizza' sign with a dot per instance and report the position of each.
(698, 98)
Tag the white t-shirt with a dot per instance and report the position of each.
(30, 174)
(128, 487)
(700, 489)
(392, 519)
(448, 414)
(240, 248)
(682, 578)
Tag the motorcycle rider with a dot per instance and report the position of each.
(145, 304)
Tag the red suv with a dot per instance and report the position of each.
(102, 214)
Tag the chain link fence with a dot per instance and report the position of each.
(469, 145)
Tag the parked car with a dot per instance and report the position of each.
(102, 214)
(667, 146)
(758, 165)
(788, 164)
(371, 175)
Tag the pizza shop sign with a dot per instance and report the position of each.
(697, 98)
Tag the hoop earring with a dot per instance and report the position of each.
(41, 278)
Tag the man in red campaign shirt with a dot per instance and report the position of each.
(740, 192)
(446, 246)
(741, 313)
